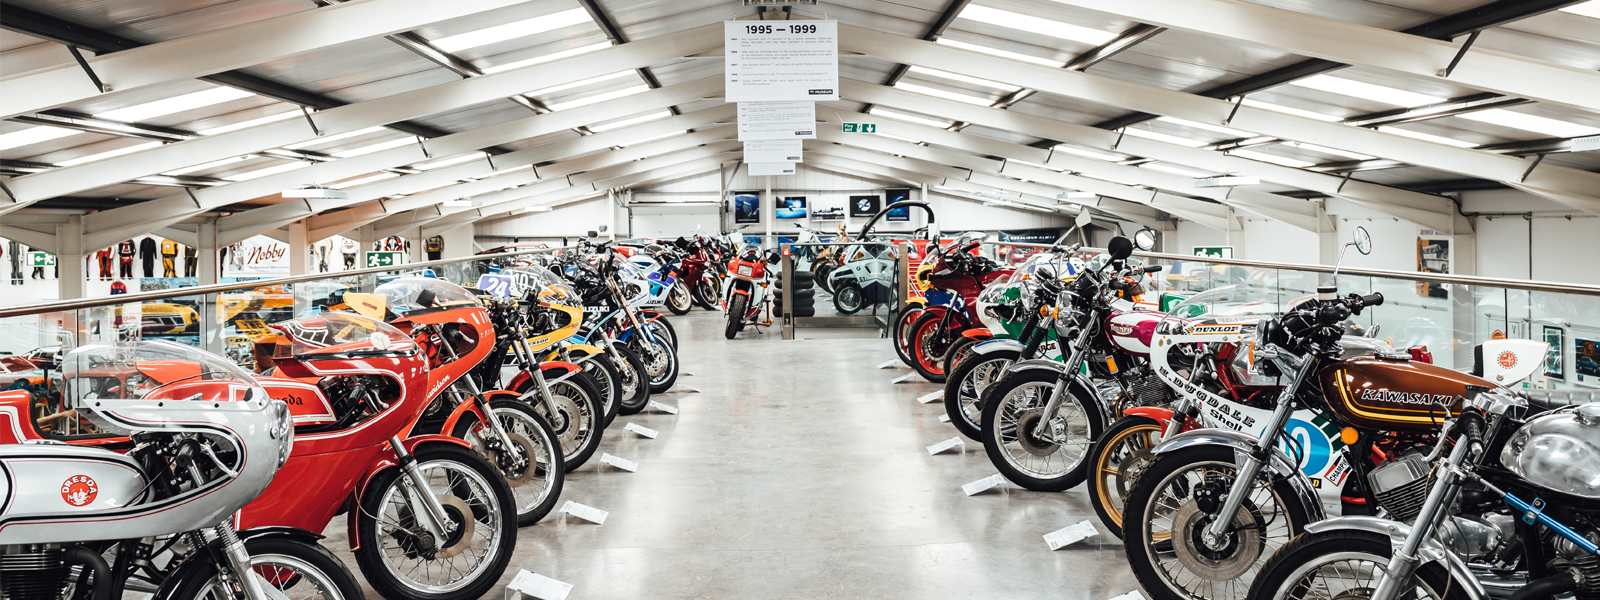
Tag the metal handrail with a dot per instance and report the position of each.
(82, 303)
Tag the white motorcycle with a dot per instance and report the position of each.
(749, 288)
(198, 449)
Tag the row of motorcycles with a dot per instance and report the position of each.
(437, 418)
(1247, 444)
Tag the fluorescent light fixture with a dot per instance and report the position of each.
(1055, 29)
(964, 79)
(655, 138)
(375, 177)
(1033, 164)
(317, 192)
(655, 116)
(1088, 153)
(1171, 170)
(899, 138)
(1077, 196)
(1417, 135)
(1225, 181)
(273, 170)
(210, 165)
(1290, 110)
(283, 116)
(1228, 131)
(878, 111)
(446, 162)
(175, 104)
(1112, 180)
(1327, 150)
(500, 172)
(606, 97)
(1527, 122)
(1271, 158)
(1027, 58)
(500, 33)
(34, 135)
(461, 203)
(104, 155)
(544, 58)
(580, 83)
(333, 138)
(540, 209)
(938, 93)
(378, 147)
(1357, 89)
(1162, 137)
(1589, 9)
(429, 188)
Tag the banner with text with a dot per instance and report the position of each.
(781, 61)
(777, 121)
(772, 151)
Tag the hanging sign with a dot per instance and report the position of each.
(859, 127)
(259, 256)
(781, 61)
(772, 151)
(41, 259)
(774, 168)
(777, 121)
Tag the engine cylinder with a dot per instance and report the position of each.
(35, 575)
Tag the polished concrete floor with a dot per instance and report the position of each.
(799, 471)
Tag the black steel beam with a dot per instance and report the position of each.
(1493, 14)
(614, 33)
(951, 11)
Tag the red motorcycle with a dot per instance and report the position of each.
(693, 271)
(955, 270)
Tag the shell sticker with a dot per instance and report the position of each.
(79, 490)
(1507, 359)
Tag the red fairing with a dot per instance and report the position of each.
(978, 333)
(1159, 414)
(15, 426)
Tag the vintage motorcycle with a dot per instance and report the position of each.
(185, 450)
(953, 269)
(1471, 531)
(749, 289)
(696, 273)
(1042, 415)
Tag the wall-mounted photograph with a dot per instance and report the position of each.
(747, 207)
(792, 207)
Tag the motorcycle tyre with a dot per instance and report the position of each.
(952, 391)
(1090, 407)
(635, 403)
(1100, 490)
(849, 290)
(1309, 547)
(736, 310)
(537, 513)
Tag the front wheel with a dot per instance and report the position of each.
(929, 342)
(736, 309)
(1051, 460)
(847, 298)
(403, 560)
(535, 486)
(1344, 564)
(1115, 463)
(822, 270)
(1166, 513)
(577, 420)
(964, 388)
(902, 331)
(660, 363)
(663, 330)
(297, 569)
(603, 374)
(678, 299)
(708, 292)
(635, 380)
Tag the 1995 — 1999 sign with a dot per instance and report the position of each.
(781, 61)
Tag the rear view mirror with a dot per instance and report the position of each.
(591, 233)
(1120, 248)
(1362, 241)
(1145, 239)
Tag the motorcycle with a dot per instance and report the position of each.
(190, 447)
(657, 265)
(608, 315)
(429, 517)
(955, 270)
(749, 289)
(703, 283)
(1041, 417)
(1473, 533)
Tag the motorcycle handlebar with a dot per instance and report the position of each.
(1373, 299)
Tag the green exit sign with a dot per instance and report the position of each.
(385, 259)
(860, 128)
(1214, 251)
(41, 259)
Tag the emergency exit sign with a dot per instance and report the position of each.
(41, 259)
(860, 128)
(385, 259)
(1214, 251)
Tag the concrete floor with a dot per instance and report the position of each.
(800, 471)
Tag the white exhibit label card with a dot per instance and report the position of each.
(539, 586)
(983, 484)
(777, 121)
(1070, 534)
(945, 445)
(889, 363)
(664, 408)
(1134, 595)
(619, 462)
(926, 398)
(641, 430)
(944, 418)
(781, 61)
(774, 168)
(903, 377)
(587, 513)
(772, 151)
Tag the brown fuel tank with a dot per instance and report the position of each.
(1393, 395)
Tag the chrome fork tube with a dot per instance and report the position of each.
(1079, 348)
(421, 497)
(477, 396)
(238, 559)
(1255, 460)
(1403, 565)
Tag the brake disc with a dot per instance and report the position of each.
(457, 541)
(1239, 552)
(1031, 443)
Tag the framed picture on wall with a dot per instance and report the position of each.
(792, 207)
(747, 207)
(892, 196)
(1585, 358)
(864, 206)
(832, 213)
(1554, 365)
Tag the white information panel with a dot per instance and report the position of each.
(539, 586)
(772, 151)
(783, 168)
(781, 61)
(777, 121)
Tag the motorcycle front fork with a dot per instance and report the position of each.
(1074, 360)
(238, 562)
(430, 513)
(1215, 532)
(482, 401)
(540, 386)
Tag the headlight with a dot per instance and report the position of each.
(282, 430)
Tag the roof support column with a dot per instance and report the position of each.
(207, 272)
(69, 257)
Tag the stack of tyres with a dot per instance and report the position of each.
(805, 294)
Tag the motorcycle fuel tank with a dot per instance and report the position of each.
(1131, 330)
(1559, 450)
(60, 480)
(1393, 394)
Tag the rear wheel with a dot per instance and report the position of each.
(1115, 462)
(736, 310)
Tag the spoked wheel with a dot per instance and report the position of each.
(535, 486)
(1051, 460)
(902, 331)
(635, 382)
(678, 299)
(964, 388)
(1116, 462)
(929, 341)
(577, 421)
(606, 380)
(295, 568)
(402, 559)
(848, 299)
(1165, 516)
(1344, 563)
(959, 349)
